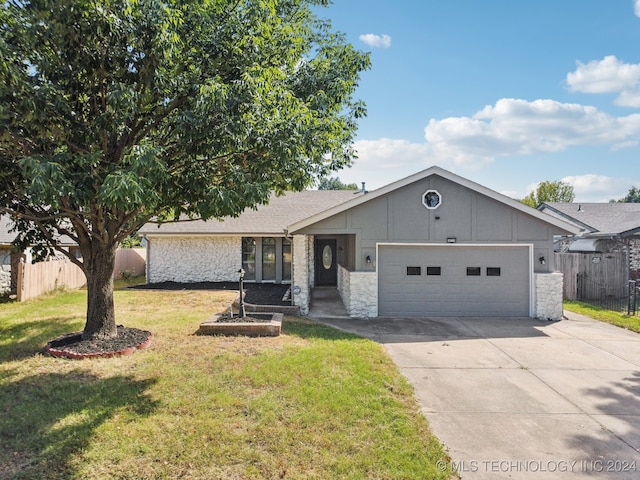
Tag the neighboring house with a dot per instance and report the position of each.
(605, 228)
(432, 244)
(10, 256)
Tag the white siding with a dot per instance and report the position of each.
(193, 259)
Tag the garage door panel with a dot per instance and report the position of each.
(453, 292)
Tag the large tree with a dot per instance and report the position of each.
(113, 112)
(632, 196)
(549, 191)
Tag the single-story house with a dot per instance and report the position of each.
(432, 244)
(604, 228)
(10, 256)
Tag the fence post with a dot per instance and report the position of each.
(631, 305)
(20, 281)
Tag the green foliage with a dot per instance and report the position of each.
(116, 111)
(334, 183)
(633, 196)
(548, 191)
(132, 241)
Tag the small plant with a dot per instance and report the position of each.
(127, 274)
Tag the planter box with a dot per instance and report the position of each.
(268, 325)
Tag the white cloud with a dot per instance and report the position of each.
(385, 160)
(608, 75)
(518, 127)
(598, 188)
(592, 183)
(510, 128)
(636, 7)
(376, 41)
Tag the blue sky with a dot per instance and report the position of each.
(506, 93)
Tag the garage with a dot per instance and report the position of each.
(417, 280)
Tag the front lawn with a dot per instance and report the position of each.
(312, 403)
(625, 321)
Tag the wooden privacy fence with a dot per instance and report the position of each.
(130, 262)
(37, 278)
(588, 273)
(34, 279)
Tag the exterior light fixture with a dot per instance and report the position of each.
(542, 260)
(368, 259)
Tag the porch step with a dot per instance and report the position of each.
(326, 303)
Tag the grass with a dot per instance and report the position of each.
(312, 403)
(629, 322)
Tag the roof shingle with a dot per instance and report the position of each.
(601, 218)
(270, 219)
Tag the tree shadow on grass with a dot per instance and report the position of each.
(25, 339)
(47, 419)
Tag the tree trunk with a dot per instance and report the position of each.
(99, 265)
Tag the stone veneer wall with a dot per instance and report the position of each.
(5, 271)
(302, 266)
(364, 295)
(344, 286)
(193, 259)
(548, 296)
(359, 292)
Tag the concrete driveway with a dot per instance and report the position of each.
(521, 398)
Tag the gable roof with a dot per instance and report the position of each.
(562, 226)
(599, 219)
(270, 219)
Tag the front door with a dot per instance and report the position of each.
(326, 262)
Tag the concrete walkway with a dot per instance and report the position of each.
(521, 398)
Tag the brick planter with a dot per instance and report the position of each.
(269, 324)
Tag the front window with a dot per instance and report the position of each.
(286, 259)
(249, 258)
(268, 259)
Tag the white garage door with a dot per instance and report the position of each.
(453, 280)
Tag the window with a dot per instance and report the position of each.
(414, 270)
(286, 259)
(249, 258)
(431, 199)
(268, 259)
(493, 271)
(473, 271)
(433, 270)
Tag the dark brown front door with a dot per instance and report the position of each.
(326, 262)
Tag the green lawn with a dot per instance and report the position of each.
(312, 403)
(625, 321)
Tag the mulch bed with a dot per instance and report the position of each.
(126, 342)
(130, 340)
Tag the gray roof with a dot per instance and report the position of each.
(599, 219)
(270, 219)
(7, 238)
